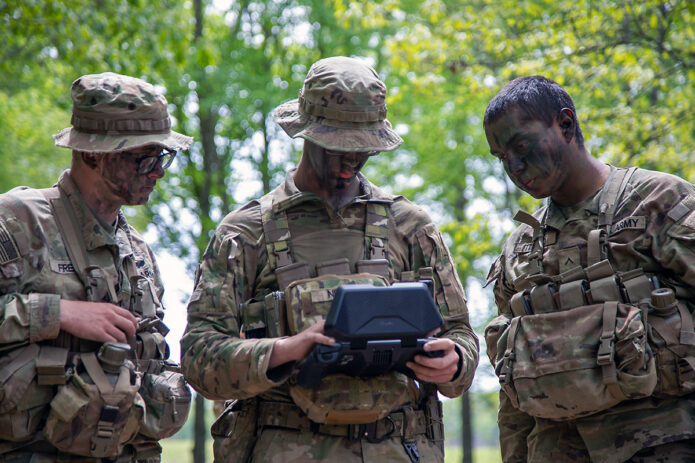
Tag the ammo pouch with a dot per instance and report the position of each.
(23, 398)
(168, 400)
(573, 363)
(672, 339)
(95, 414)
(234, 431)
(340, 399)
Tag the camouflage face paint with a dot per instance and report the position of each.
(336, 171)
(121, 178)
(532, 153)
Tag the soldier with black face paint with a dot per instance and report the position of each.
(325, 225)
(82, 352)
(594, 343)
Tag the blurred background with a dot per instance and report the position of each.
(226, 64)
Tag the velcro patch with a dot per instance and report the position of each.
(62, 266)
(9, 252)
(523, 248)
(637, 222)
(322, 295)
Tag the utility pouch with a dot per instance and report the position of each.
(577, 362)
(672, 338)
(339, 399)
(95, 414)
(434, 417)
(234, 431)
(168, 400)
(23, 401)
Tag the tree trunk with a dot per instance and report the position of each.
(199, 430)
(466, 429)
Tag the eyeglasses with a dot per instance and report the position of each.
(147, 164)
(358, 153)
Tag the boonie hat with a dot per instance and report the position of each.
(342, 107)
(113, 112)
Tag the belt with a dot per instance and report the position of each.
(404, 422)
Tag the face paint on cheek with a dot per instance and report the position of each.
(123, 182)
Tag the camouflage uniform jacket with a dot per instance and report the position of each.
(221, 364)
(36, 272)
(645, 235)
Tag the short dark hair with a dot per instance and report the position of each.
(537, 97)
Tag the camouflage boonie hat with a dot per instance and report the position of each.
(342, 107)
(112, 112)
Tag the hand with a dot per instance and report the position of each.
(97, 321)
(298, 346)
(439, 369)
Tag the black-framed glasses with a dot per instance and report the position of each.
(358, 153)
(147, 164)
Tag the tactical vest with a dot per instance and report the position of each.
(591, 337)
(307, 286)
(64, 381)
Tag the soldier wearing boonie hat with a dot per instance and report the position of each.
(326, 222)
(80, 292)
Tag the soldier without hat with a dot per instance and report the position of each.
(326, 222)
(83, 356)
(595, 292)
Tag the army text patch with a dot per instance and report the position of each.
(62, 266)
(638, 222)
(8, 246)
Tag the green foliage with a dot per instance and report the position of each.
(629, 64)
(484, 407)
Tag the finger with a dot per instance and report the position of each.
(444, 344)
(115, 334)
(430, 375)
(123, 313)
(323, 339)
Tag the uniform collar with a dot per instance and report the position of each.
(288, 195)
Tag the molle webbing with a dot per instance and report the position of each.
(376, 231)
(596, 283)
(278, 240)
(276, 230)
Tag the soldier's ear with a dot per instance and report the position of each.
(566, 121)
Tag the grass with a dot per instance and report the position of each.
(180, 451)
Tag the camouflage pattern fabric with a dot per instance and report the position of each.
(221, 364)
(654, 228)
(285, 446)
(36, 272)
(113, 112)
(342, 106)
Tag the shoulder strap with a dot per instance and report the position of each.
(376, 231)
(67, 226)
(612, 191)
(276, 231)
(608, 205)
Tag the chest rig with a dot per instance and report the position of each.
(295, 260)
(128, 289)
(581, 329)
(597, 282)
(307, 285)
(280, 253)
